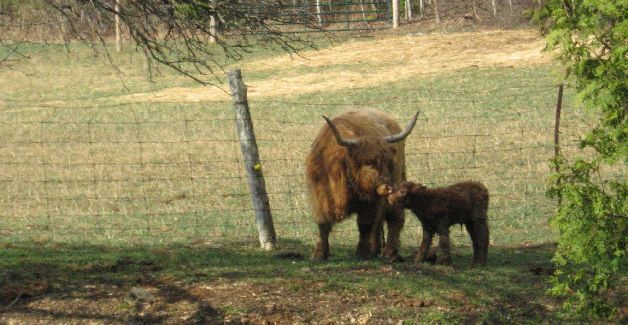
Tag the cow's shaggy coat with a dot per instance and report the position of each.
(353, 155)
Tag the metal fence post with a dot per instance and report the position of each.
(559, 105)
(252, 163)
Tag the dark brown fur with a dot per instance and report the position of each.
(343, 180)
(440, 208)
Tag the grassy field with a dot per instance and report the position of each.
(160, 172)
(102, 191)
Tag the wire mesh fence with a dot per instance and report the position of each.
(345, 15)
(101, 172)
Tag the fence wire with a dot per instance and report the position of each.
(170, 172)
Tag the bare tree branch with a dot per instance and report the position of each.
(177, 33)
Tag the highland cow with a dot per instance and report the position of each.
(440, 208)
(354, 155)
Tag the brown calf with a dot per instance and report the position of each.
(440, 208)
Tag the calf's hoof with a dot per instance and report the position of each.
(430, 258)
(444, 260)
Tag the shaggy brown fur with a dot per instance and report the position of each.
(343, 179)
(440, 208)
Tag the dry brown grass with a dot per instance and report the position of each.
(374, 62)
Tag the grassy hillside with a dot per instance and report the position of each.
(103, 189)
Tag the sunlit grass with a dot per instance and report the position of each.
(79, 165)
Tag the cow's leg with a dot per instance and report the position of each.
(394, 221)
(424, 247)
(321, 252)
(443, 242)
(370, 228)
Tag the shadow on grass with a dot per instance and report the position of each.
(510, 288)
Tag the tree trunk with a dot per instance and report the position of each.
(318, 13)
(436, 11)
(363, 11)
(395, 13)
(213, 31)
(118, 29)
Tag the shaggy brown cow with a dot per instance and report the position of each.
(440, 208)
(352, 156)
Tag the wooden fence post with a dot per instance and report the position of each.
(559, 105)
(436, 14)
(252, 163)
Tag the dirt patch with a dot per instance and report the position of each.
(359, 64)
(224, 301)
(130, 290)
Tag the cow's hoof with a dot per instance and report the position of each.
(364, 252)
(365, 256)
(320, 255)
(431, 258)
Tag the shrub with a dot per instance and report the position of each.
(591, 219)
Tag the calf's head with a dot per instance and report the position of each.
(401, 194)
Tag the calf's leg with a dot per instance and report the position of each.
(424, 248)
(443, 242)
(474, 240)
(480, 228)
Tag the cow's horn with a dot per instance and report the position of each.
(400, 136)
(339, 139)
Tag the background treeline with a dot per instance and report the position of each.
(47, 19)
